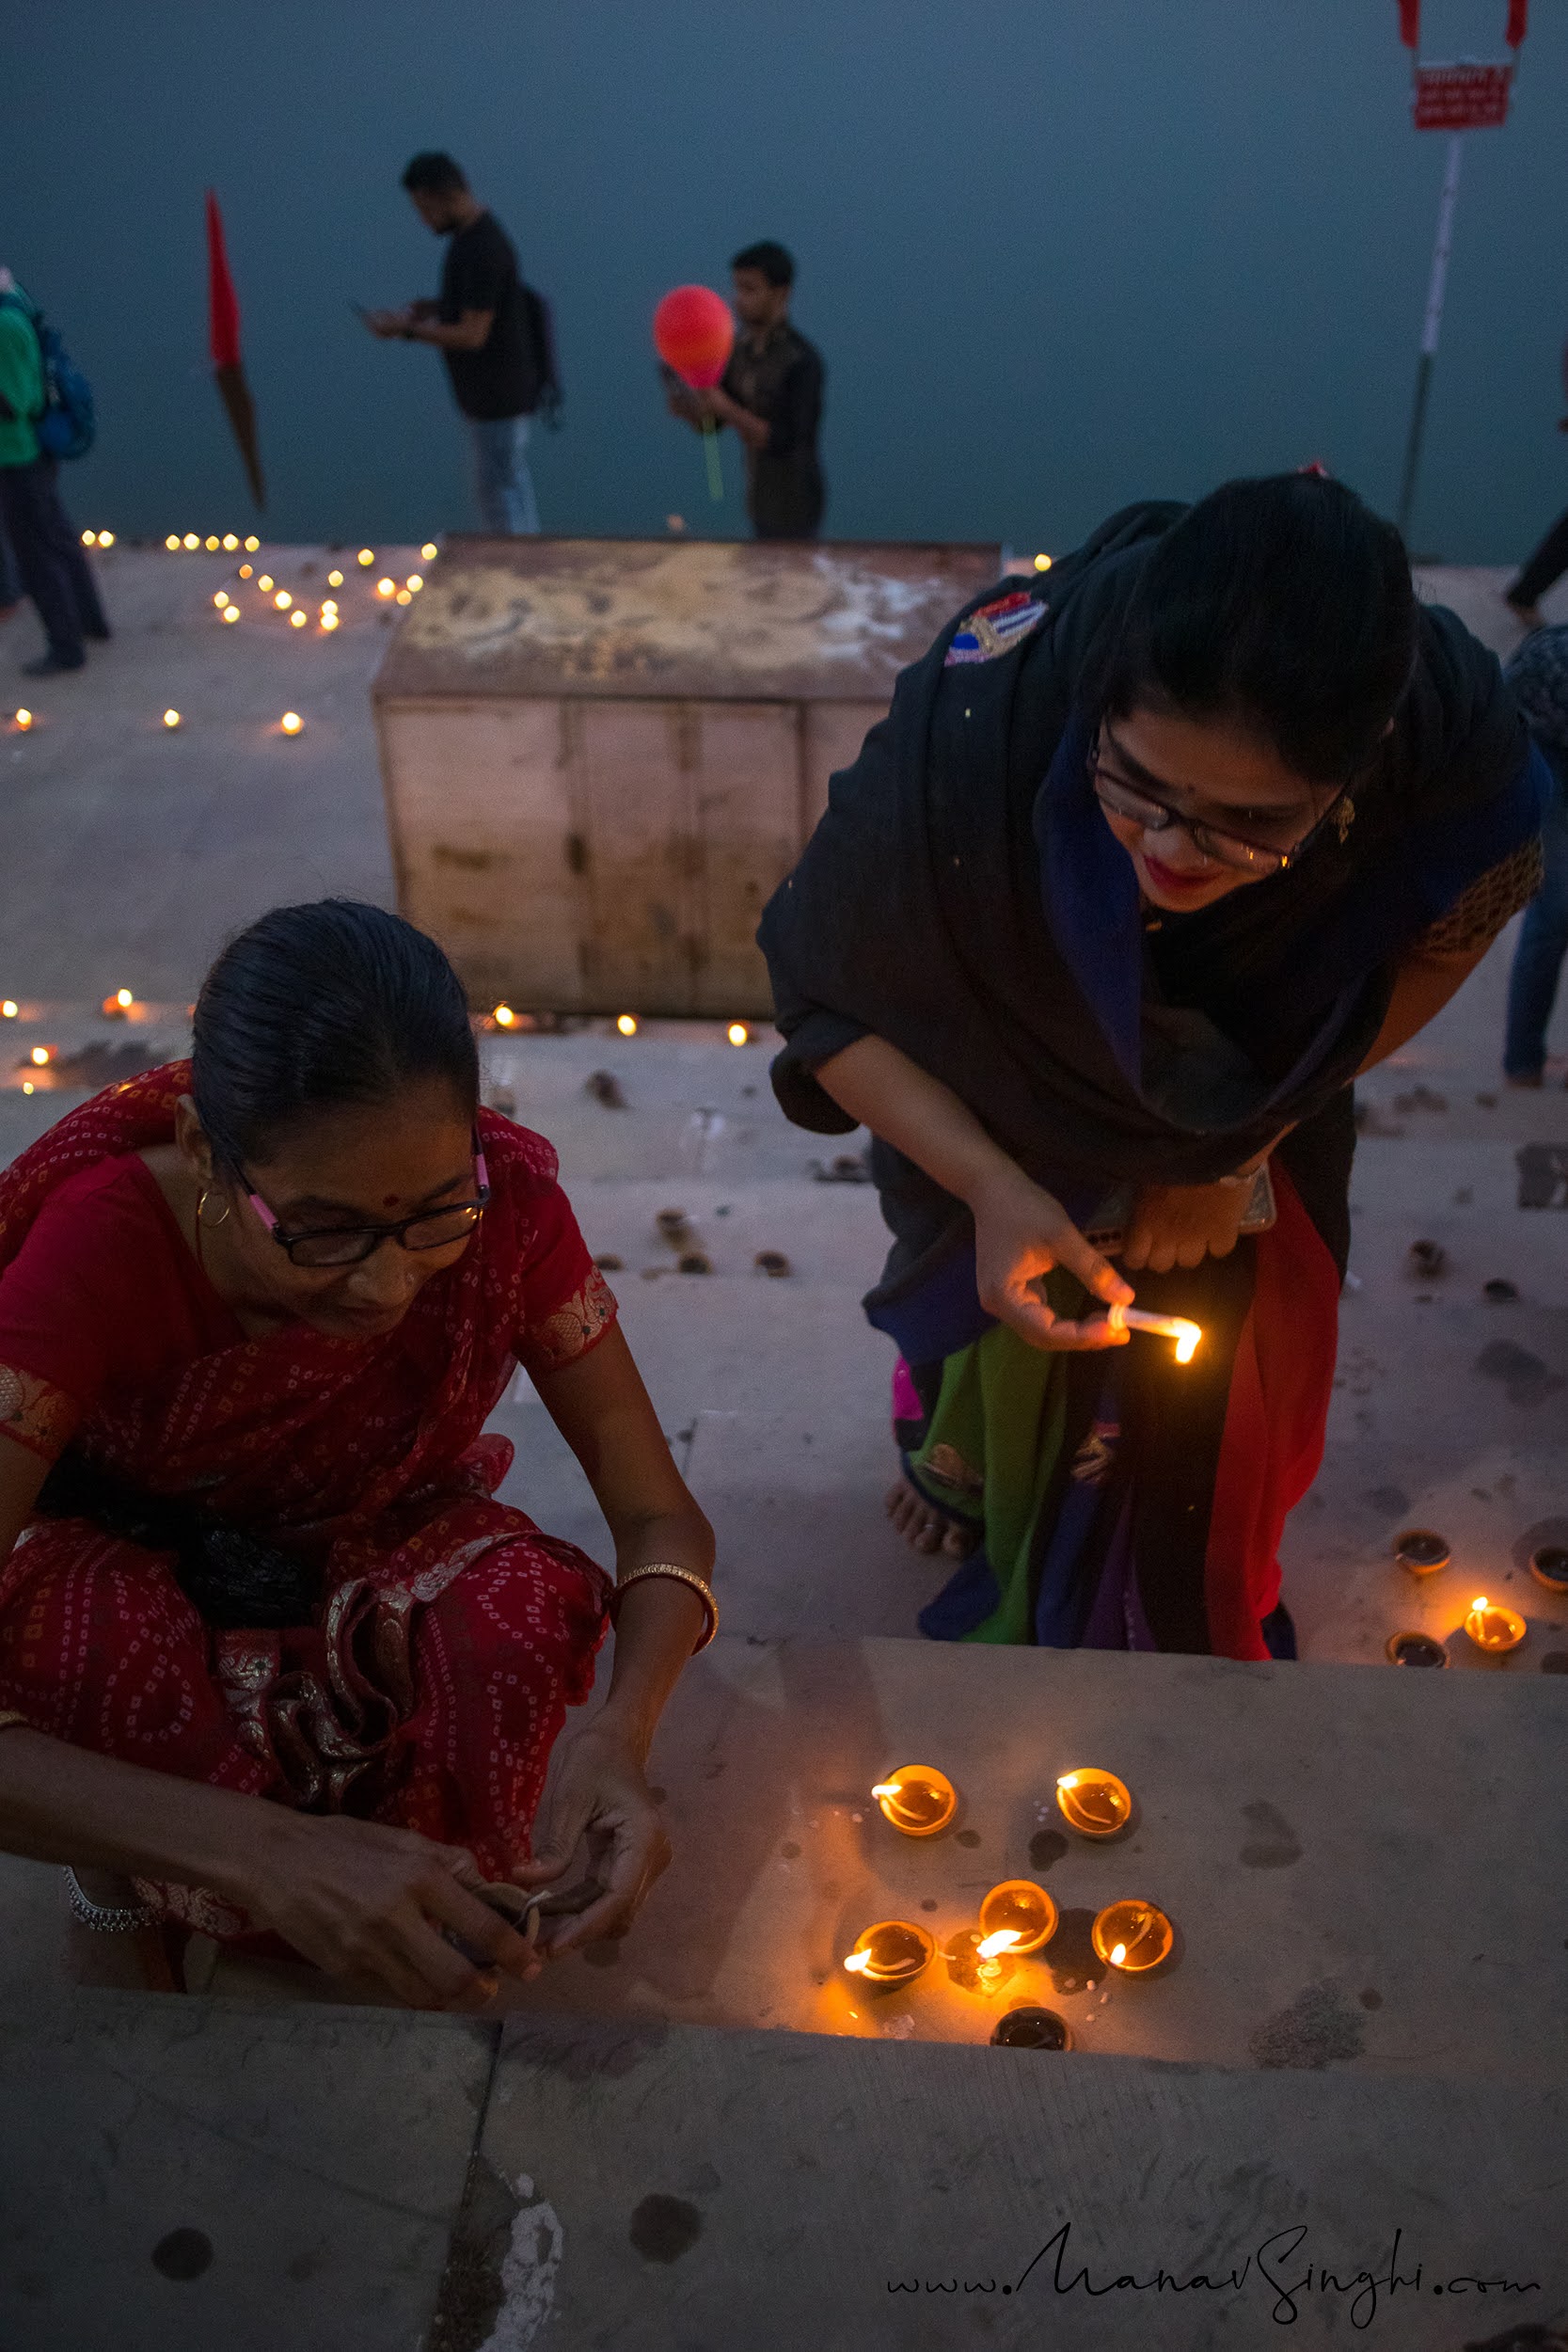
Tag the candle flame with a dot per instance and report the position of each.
(887, 1788)
(856, 1963)
(1003, 1941)
(1068, 1780)
(1118, 1953)
(1186, 1346)
(124, 999)
(1476, 1606)
(628, 1024)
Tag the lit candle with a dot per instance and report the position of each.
(191, 540)
(245, 570)
(1095, 1804)
(172, 543)
(229, 541)
(291, 722)
(329, 622)
(980, 1964)
(386, 587)
(119, 1005)
(41, 1056)
(738, 1034)
(171, 719)
(9, 1009)
(221, 598)
(414, 582)
(890, 1953)
(406, 595)
(367, 557)
(265, 584)
(105, 538)
(252, 544)
(917, 1798)
(429, 550)
(1134, 1937)
(333, 579)
(1493, 1628)
(282, 600)
(297, 620)
(626, 1023)
(89, 538)
(503, 1016)
(210, 544)
(23, 721)
(1186, 1335)
(1022, 1912)
(230, 611)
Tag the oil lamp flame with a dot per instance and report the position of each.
(856, 1963)
(1188, 1336)
(1003, 1941)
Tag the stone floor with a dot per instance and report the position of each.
(134, 850)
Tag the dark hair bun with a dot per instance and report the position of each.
(316, 1008)
(1284, 605)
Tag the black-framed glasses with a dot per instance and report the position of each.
(1232, 849)
(350, 1245)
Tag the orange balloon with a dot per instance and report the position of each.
(694, 334)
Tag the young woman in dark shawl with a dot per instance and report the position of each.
(1148, 860)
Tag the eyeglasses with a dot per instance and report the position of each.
(350, 1245)
(1232, 849)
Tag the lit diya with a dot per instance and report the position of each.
(1493, 1628)
(890, 1953)
(1095, 1804)
(1019, 1910)
(1133, 1937)
(917, 1798)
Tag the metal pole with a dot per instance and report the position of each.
(1431, 327)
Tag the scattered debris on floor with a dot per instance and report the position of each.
(772, 1261)
(695, 1262)
(1427, 1261)
(608, 1262)
(1420, 1098)
(849, 1168)
(605, 1088)
(674, 1227)
(1500, 1291)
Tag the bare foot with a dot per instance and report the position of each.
(922, 1528)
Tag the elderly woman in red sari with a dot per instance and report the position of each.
(274, 1662)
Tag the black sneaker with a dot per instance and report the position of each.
(52, 664)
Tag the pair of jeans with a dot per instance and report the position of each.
(1546, 566)
(49, 558)
(502, 482)
(1542, 941)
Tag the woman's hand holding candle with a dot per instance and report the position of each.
(1022, 1234)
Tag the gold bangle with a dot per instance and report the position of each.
(686, 1576)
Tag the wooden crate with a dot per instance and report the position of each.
(601, 757)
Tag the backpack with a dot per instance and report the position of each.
(545, 391)
(67, 423)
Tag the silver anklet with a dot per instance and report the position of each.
(107, 1918)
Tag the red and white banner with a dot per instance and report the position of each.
(1410, 23)
(1461, 97)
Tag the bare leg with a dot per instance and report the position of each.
(924, 1528)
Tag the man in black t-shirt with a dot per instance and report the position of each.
(479, 323)
(772, 397)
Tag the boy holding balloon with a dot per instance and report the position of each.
(765, 383)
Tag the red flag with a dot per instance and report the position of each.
(1518, 17)
(223, 303)
(1410, 23)
(223, 334)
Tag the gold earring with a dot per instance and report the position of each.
(1344, 818)
(210, 1224)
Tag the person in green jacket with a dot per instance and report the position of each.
(47, 550)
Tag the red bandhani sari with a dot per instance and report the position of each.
(452, 1636)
